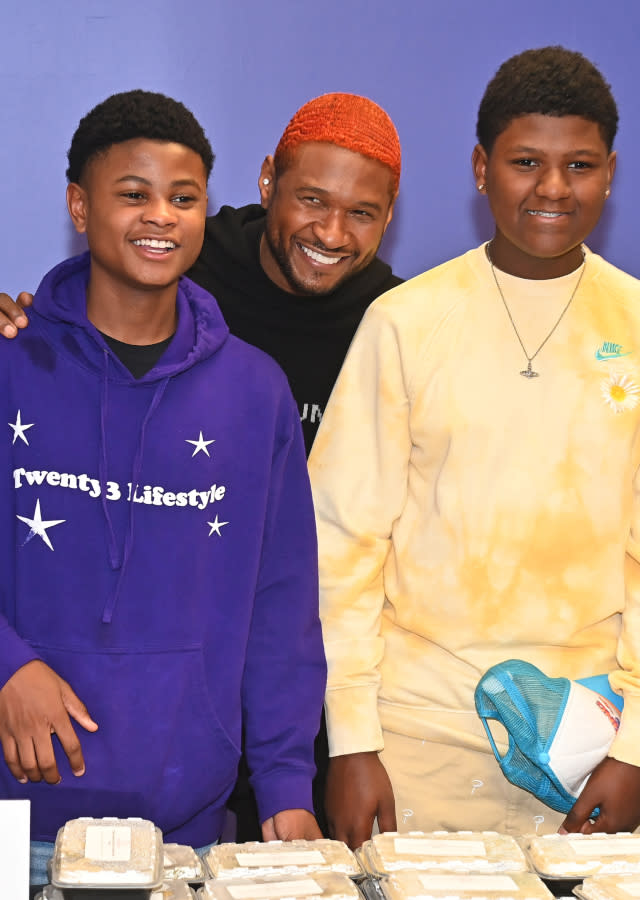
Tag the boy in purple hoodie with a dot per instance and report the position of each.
(158, 555)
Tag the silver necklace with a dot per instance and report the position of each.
(529, 372)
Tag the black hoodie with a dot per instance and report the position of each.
(307, 335)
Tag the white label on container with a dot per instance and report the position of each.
(453, 884)
(305, 887)
(286, 858)
(429, 847)
(108, 843)
(606, 847)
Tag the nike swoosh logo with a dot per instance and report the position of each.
(601, 355)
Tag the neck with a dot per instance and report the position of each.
(133, 316)
(513, 261)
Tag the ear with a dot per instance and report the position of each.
(611, 166)
(479, 160)
(77, 205)
(267, 181)
(390, 211)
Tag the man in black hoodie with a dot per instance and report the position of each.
(294, 274)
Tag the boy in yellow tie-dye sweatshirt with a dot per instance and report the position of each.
(476, 483)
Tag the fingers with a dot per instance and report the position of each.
(12, 759)
(312, 830)
(268, 830)
(30, 760)
(387, 814)
(353, 832)
(11, 315)
(574, 821)
(71, 745)
(76, 708)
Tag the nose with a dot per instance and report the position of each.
(159, 211)
(553, 183)
(331, 229)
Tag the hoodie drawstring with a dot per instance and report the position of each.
(116, 560)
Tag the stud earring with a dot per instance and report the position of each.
(266, 181)
(606, 193)
(481, 187)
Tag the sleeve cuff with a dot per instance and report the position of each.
(353, 725)
(282, 790)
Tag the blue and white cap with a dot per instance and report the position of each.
(558, 730)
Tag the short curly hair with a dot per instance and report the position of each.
(345, 120)
(135, 114)
(552, 81)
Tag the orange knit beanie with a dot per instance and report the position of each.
(347, 120)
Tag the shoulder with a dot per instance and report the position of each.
(606, 274)
(426, 298)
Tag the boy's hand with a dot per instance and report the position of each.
(12, 316)
(613, 788)
(34, 704)
(358, 792)
(289, 825)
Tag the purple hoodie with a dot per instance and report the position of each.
(159, 554)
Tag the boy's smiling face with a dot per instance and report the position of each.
(142, 204)
(547, 179)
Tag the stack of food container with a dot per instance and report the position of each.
(566, 862)
(437, 865)
(322, 869)
(120, 858)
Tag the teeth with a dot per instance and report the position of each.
(155, 244)
(545, 215)
(319, 257)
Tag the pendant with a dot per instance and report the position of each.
(528, 372)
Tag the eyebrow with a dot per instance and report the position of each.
(368, 204)
(179, 182)
(535, 151)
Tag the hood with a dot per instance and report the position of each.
(60, 303)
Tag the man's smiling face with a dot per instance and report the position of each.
(326, 215)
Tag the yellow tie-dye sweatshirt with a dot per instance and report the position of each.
(468, 515)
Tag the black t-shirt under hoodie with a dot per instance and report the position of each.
(307, 335)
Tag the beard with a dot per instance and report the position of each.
(312, 286)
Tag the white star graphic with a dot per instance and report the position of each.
(216, 526)
(19, 430)
(200, 444)
(39, 527)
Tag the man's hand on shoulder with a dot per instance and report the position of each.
(358, 792)
(12, 315)
(290, 825)
(614, 789)
(34, 704)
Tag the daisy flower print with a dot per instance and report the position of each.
(620, 392)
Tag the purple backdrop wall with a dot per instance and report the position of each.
(244, 66)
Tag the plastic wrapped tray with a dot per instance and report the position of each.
(562, 856)
(443, 851)
(107, 853)
(320, 885)
(609, 887)
(182, 862)
(169, 890)
(413, 884)
(280, 857)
